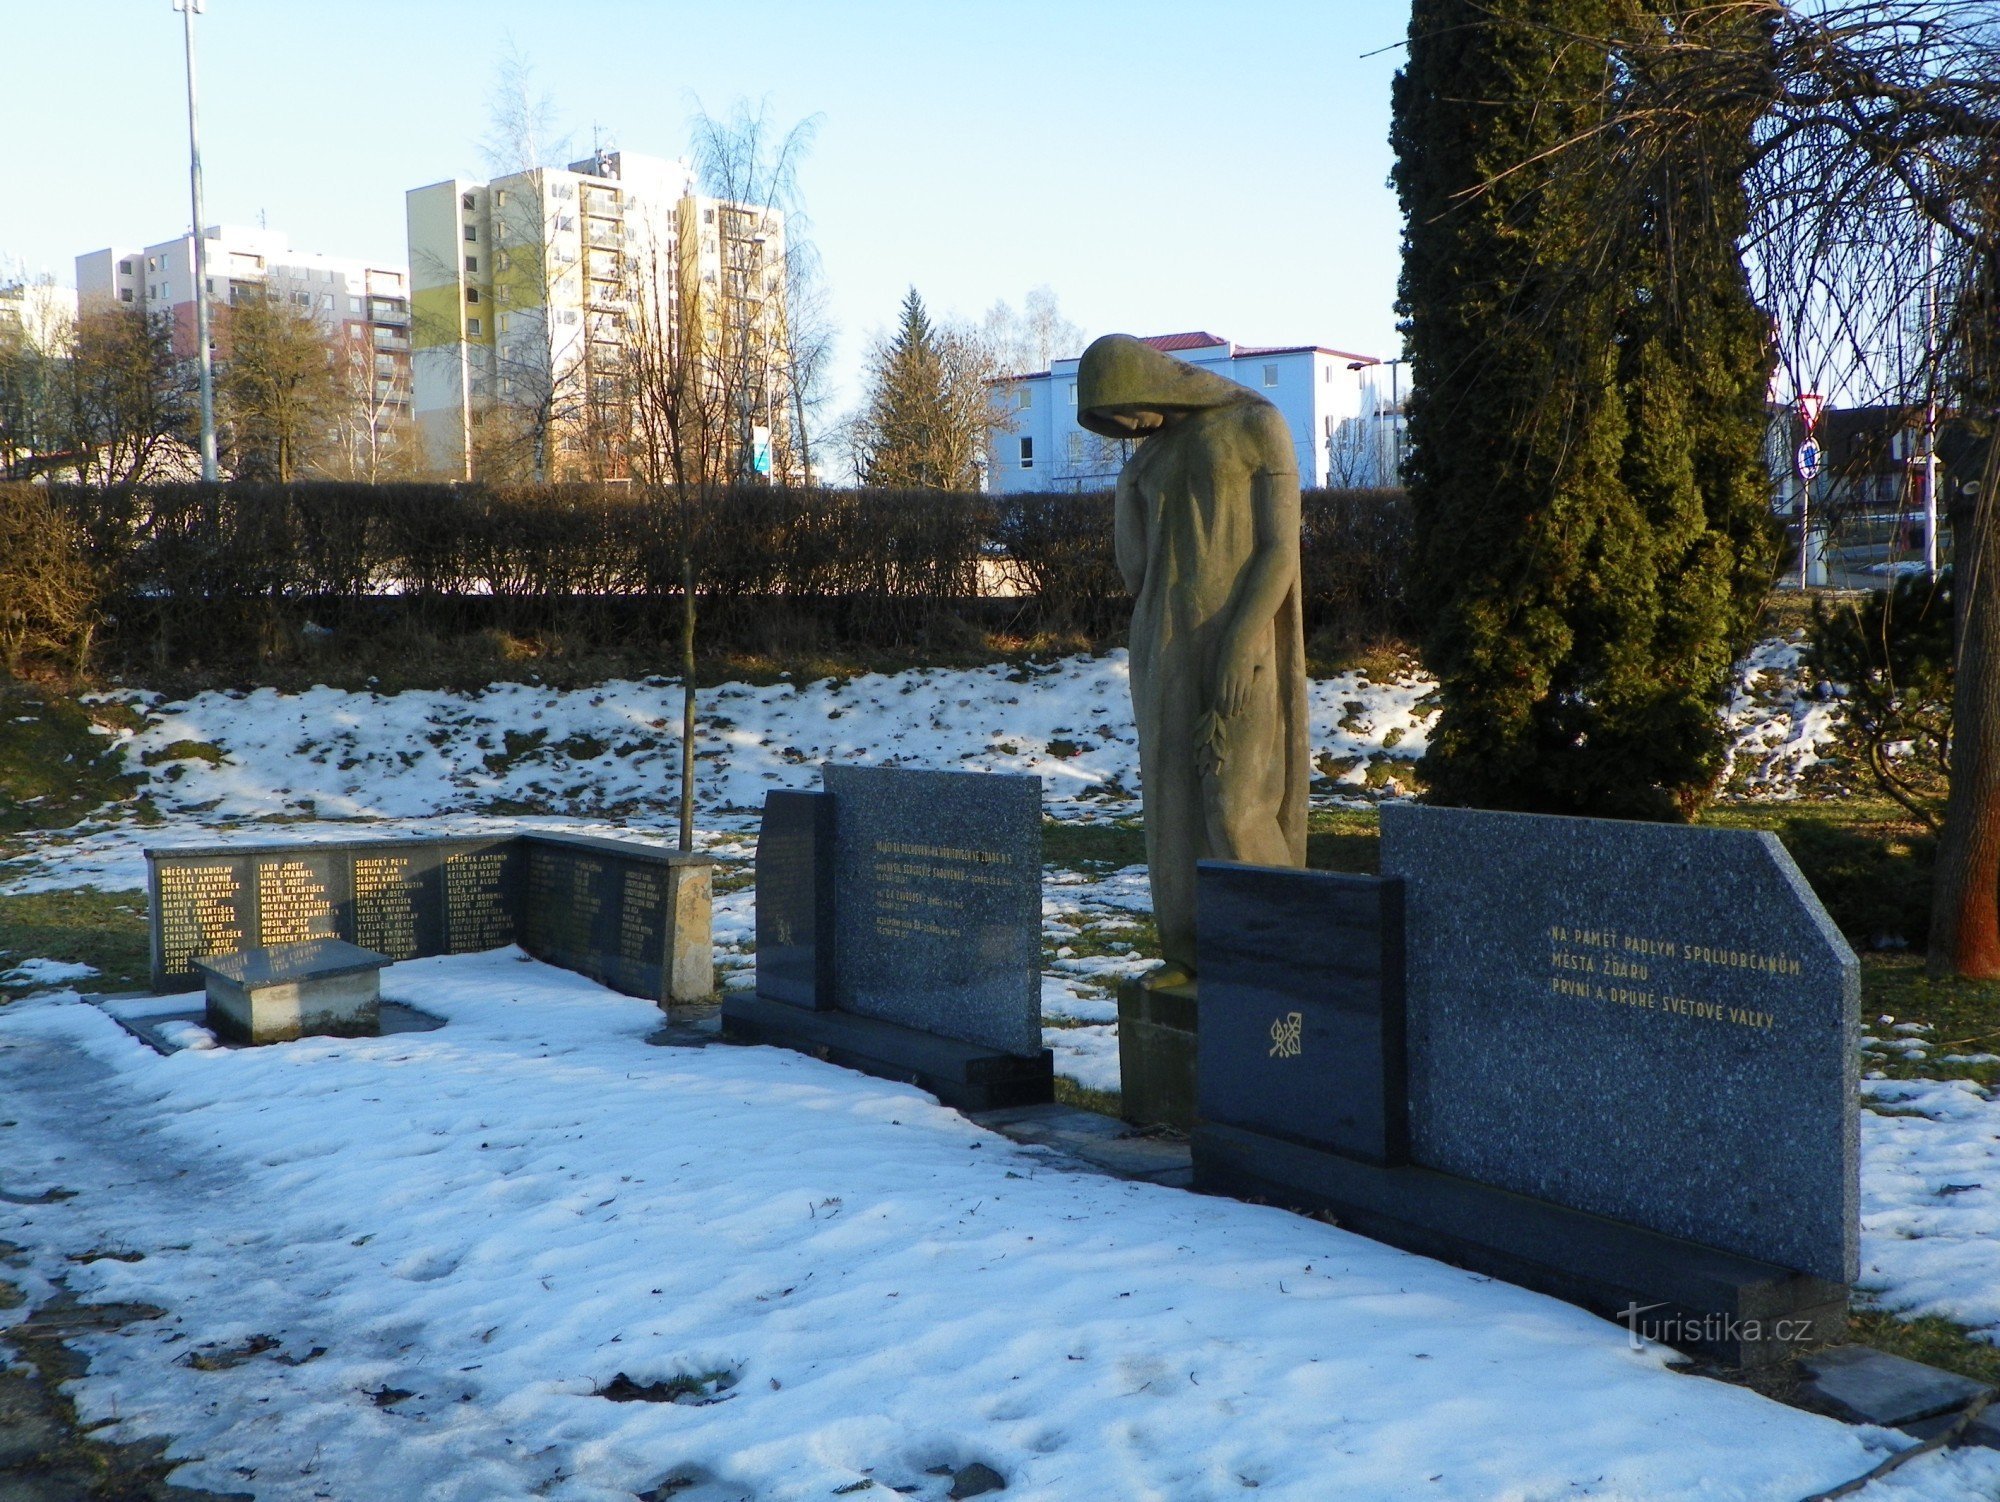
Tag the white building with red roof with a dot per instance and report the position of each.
(1344, 424)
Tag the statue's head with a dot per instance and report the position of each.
(1127, 389)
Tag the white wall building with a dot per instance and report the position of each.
(366, 305)
(36, 306)
(526, 293)
(1343, 427)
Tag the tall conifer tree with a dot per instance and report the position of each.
(1586, 419)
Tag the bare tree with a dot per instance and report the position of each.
(281, 385)
(374, 437)
(777, 341)
(1025, 341)
(123, 402)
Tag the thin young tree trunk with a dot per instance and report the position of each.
(687, 695)
(1965, 895)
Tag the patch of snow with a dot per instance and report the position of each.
(455, 1240)
(46, 973)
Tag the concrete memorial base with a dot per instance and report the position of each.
(968, 1076)
(291, 990)
(1732, 1309)
(1158, 1033)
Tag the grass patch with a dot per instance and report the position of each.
(1344, 839)
(83, 926)
(1868, 860)
(1963, 1017)
(1928, 1338)
(1103, 1102)
(1094, 849)
(185, 751)
(54, 769)
(1379, 661)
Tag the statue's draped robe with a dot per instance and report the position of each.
(1195, 503)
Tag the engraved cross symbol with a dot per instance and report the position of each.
(1287, 1033)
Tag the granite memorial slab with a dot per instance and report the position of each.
(1652, 1023)
(618, 913)
(286, 991)
(1631, 1061)
(1302, 1007)
(795, 922)
(937, 880)
(633, 917)
(402, 898)
(899, 923)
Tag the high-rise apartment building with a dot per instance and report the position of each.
(539, 294)
(363, 305)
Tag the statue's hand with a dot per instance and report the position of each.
(1232, 689)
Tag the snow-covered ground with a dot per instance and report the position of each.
(500, 1218)
(406, 1267)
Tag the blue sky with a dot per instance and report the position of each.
(1163, 166)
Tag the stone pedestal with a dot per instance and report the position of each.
(1157, 1032)
(691, 943)
(291, 990)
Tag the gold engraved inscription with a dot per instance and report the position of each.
(922, 889)
(639, 927)
(1588, 962)
(475, 901)
(199, 915)
(385, 905)
(1288, 1035)
(292, 903)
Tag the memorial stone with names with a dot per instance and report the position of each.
(631, 916)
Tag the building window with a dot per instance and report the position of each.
(472, 327)
(1270, 375)
(1072, 393)
(472, 232)
(152, 263)
(1076, 448)
(124, 268)
(472, 294)
(499, 198)
(466, 202)
(472, 264)
(124, 294)
(1027, 453)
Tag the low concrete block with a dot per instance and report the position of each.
(292, 990)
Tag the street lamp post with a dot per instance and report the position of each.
(189, 9)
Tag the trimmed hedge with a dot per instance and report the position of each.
(185, 563)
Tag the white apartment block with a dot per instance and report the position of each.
(1322, 393)
(35, 307)
(366, 306)
(528, 291)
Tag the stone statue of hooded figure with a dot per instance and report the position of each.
(1208, 543)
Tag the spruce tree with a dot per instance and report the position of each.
(903, 410)
(1586, 417)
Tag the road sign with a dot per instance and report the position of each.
(1808, 460)
(1810, 403)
